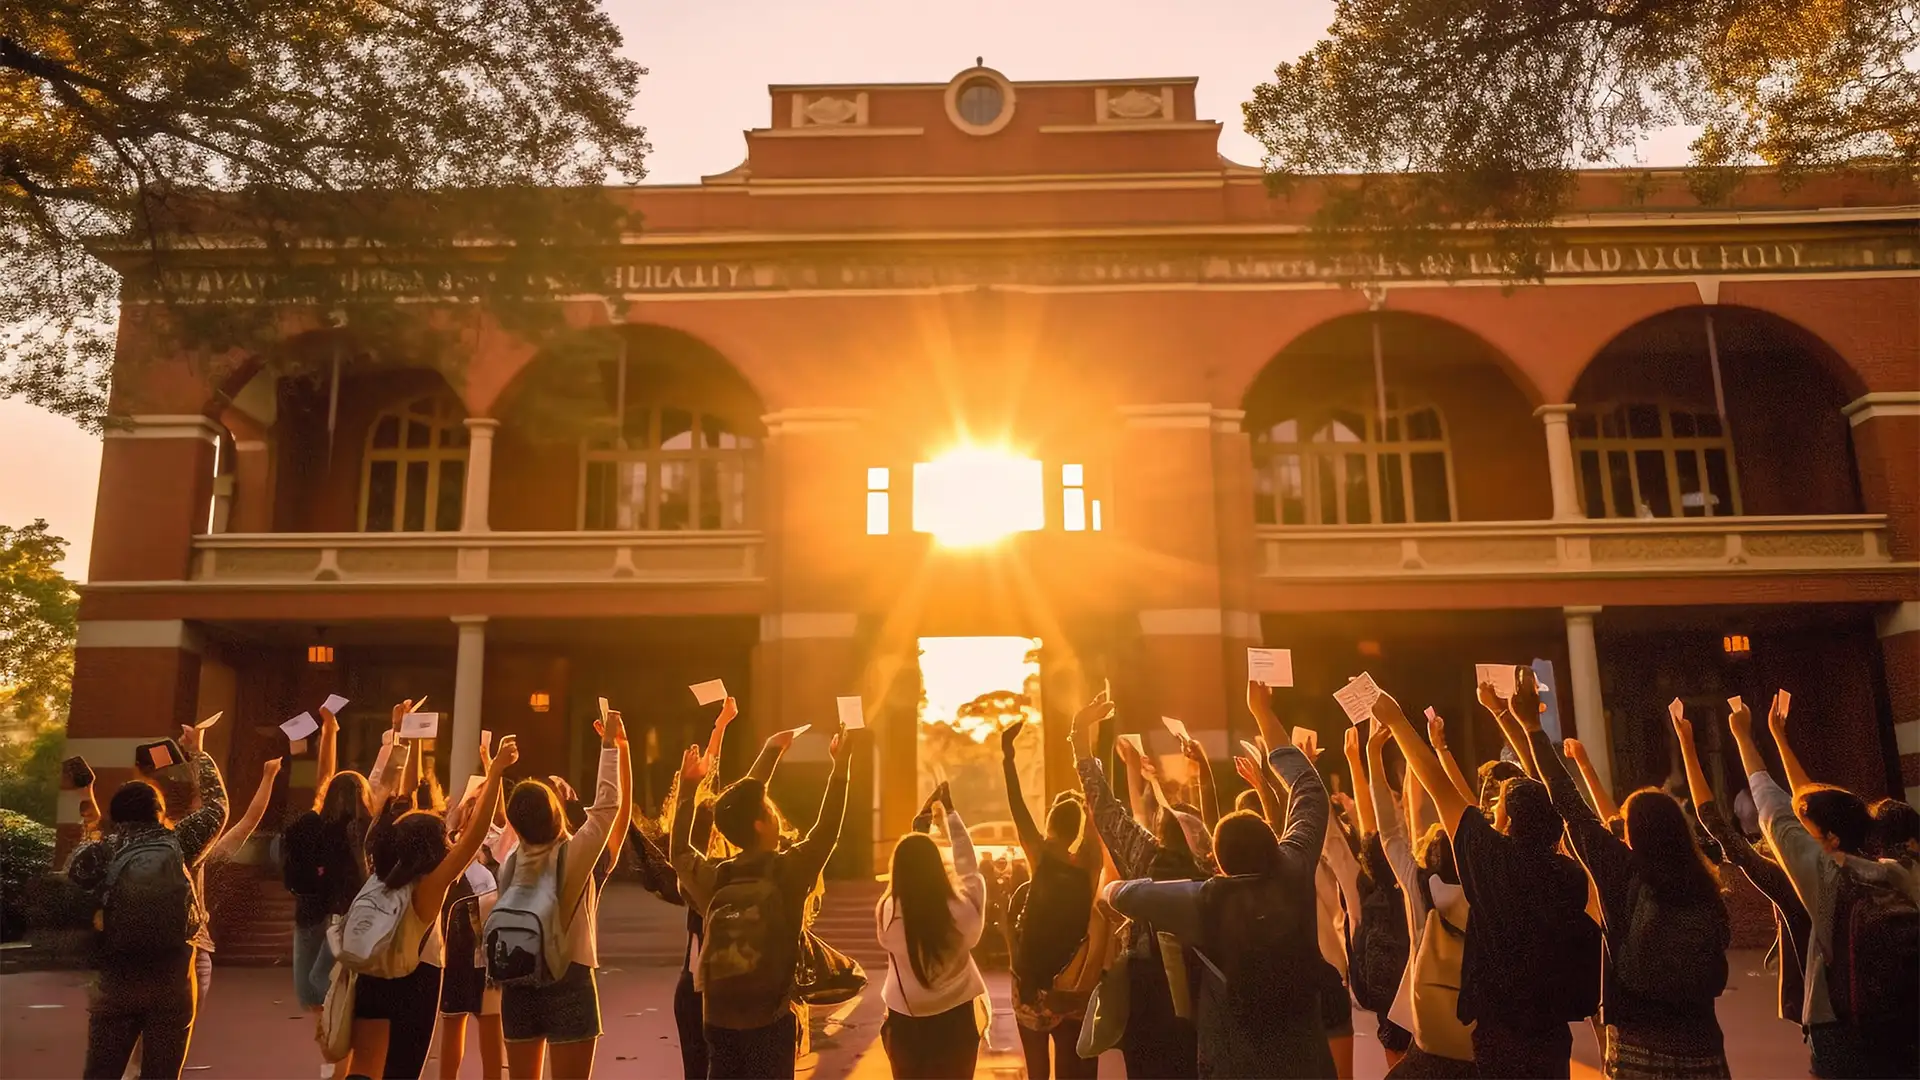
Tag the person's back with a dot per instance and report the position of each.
(1259, 1007)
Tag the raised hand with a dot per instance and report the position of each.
(728, 710)
(1526, 698)
(612, 731)
(504, 756)
(1248, 769)
(944, 795)
(1436, 730)
(1777, 715)
(270, 768)
(1353, 743)
(1740, 721)
(693, 767)
(189, 739)
(1345, 802)
(1386, 711)
(1491, 701)
(1127, 753)
(400, 712)
(1192, 750)
(1096, 712)
(1007, 736)
(842, 742)
(1260, 702)
(782, 740)
(1682, 727)
(328, 721)
(1577, 752)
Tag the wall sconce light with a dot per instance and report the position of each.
(319, 654)
(1736, 645)
(538, 701)
(1371, 649)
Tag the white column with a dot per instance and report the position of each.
(480, 429)
(468, 671)
(1566, 492)
(1589, 713)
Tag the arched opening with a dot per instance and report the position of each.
(637, 429)
(1712, 412)
(1392, 419)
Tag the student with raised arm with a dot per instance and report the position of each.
(1059, 946)
(1597, 794)
(1665, 923)
(1253, 926)
(929, 928)
(1379, 946)
(1819, 834)
(393, 1018)
(754, 906)
(1203, 779)
(1157, 1042)
(1437, 735)
(1530, 966)
(1427, 1001)
(1791, 924)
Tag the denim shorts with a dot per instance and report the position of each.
(312, 965)
(564, 1011)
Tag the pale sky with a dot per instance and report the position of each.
(710, 63)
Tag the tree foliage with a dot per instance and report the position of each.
(151, 134)
(1477, 111)
(38, 619)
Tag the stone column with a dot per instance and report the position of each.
(1589, 712)
(480, 429)
(1886, 451)
(1900, 659)
(134, 681)
(1566, 491)
(468, 682)
(156, 485)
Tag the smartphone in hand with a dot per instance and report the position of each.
(75, 773)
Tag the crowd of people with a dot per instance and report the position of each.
(1479, 922)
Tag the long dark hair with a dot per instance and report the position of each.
(405, 844)
(1665, 855)
(921, 891)
(346, 813)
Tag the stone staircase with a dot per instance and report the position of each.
(252, 916)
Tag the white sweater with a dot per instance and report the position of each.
(584, 849)
(956, 980)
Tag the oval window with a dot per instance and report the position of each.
(980, 102)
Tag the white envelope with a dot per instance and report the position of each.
(1270, 667)
(603, 710)
(799, 731)
(211, 720)
(334, 704)
(1178, 728)
(486, 741)
(1357, 697)
(1133, 739)
(420, 725)
(709, 692)
(300, 726)
(1500, 675)
(1676, 709)
(852, 714)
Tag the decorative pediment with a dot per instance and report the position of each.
(1133, 105)
(828, 110)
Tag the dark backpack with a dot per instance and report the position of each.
(1674, 955)
(1049, 914)
(303, 868)
(1377, 953)
(1259, 947)
(147, 903)
(1873, 969)
(751, 950)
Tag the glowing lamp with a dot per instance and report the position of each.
(538, 701)
(1736, 645)
(973, 496)
(319, 654)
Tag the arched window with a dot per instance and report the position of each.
(1343, 466)
(669, 468)
(415, 473)
(1654, 460)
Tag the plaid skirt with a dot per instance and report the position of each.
(1625, 1061)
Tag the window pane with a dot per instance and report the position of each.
(877, 506)
(1620, 477)
(1585, 425)
(877, 479)
(631, 495)
(1291, 493)
(1263, 510)
(1592, 487)
(1693, 501)
(599, 497)
(1343, 426)
(419, 435)
(1359, 509)
(1096, 515)
(381, 477)
(413, 517)
(676, 496)
(1073, 475)
(1643, 421)
(1683, 425)
(1424, 426)
(453, 435)
(709, 502)
(1650, 468)
(1073, 512)
(1613, 423)
(635, 430)
(386, 433)
(1708, 424)
(1431, 502)
(1286, 431)
(1393, 429)
(714, 434)
(1720, 484)
(1393, 491)
(1329, 491)
(453, 478)
(676, 429)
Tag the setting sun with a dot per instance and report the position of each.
(974, 495)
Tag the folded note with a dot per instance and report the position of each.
(706, 693)
(300, 726)
(853, 715)
(334, 704)
(1500, 675)
(1357, 697)
(1270, 667)
(1178, 728)
(420, 725)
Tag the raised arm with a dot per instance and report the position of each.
(1697, 785)
(771, 752)
(1799, 853)
(1506, 715)
(690, 864)
(327, 757)
(1032, 840)
(1203, 776)
(1765, 874)
(1607, 859)
(387, 775)
(1597, 791)
(1437, 735)
(1797, 778)
(1140, 798)
(728, 710)
(1363, 807)
(431, 892)
(811, 854)
(1130, 845)
(607, 817)
(197, 830)
(234, 838)
(1423, 763)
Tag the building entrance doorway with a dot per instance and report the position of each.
(972, 688)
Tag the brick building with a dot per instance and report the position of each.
(1687, 464)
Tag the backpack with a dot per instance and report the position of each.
(303, 868)
(372, 938)
(1244, 923)
(751, 949)
(1377, 951)
(1049, 914)
(147, 904)
(1873, 967)
(522, 934)
(1674, 955)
